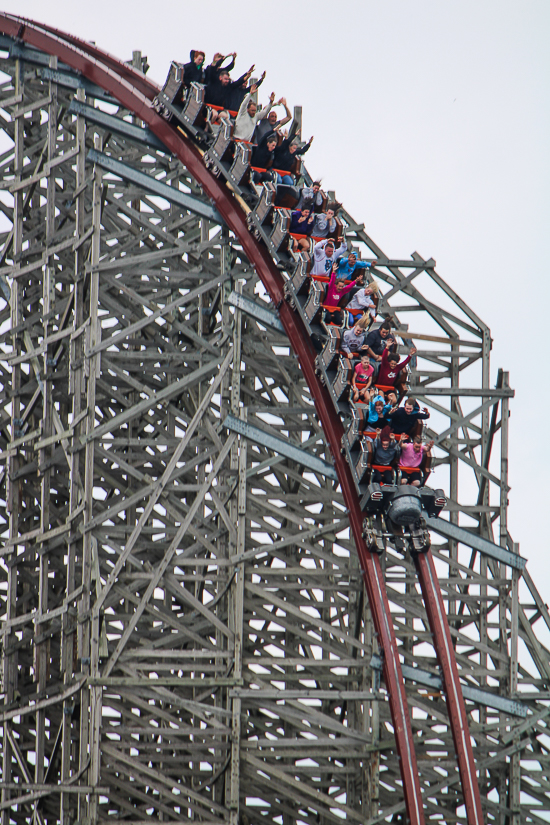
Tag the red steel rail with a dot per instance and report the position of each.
(439, 626)
(135, 93)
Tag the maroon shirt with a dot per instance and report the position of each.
(386, 375)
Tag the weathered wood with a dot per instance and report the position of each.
(184, 624)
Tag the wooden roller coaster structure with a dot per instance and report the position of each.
(195, 625)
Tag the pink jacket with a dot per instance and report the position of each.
(333, 295)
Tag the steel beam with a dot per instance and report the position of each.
(135, 134)
(154, 187)
(255, 310)
(482, 697)
(487, 548)
(259, 436)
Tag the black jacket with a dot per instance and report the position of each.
(216, 93)
(284, 159)
(191, 72)
(219, 95)
(211, 72)
(375, 341)
(403, 422)
(261, 156)
(236, 93)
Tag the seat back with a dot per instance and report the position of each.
(173, 86)
(193, 110)
(221, 150)
(300, 279)
(312, 308)
(353, 433)
(363, 465)
(279, 236)
(239, 172)
(341, 383)
(330, 353)
(263, 211)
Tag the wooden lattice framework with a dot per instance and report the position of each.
(185, 633)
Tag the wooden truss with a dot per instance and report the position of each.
(185, 633)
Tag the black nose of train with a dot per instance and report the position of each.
(403, 504)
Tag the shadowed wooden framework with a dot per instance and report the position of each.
(185, 633)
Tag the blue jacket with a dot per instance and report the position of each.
(372, 417)
(345, 271)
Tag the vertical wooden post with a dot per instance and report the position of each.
(9, 654)
(514, 773)
(237, 513)
(90, 717)
(76, 385)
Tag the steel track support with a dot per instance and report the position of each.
(273, 282)
(13, 499)
(135, 93)
(435, 609)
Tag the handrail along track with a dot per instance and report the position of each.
(135, 93)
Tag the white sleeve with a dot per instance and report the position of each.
(363, 300)
(319, 250)
(244, 104)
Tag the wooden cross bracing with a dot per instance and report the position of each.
(185, 633)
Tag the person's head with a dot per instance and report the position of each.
(379, 407)
(198, 58)
(330, 214)
(358, 329)
(385, 437)
(393, 359)
(251, 108)
(224, 78)
(385, 330)
(271, 144)
(373, 288)
(365, 359)
(316, 186)
(272, 118)
(339, 285)
(293, 146)
(329, 250)
(352, 258)
(409, 405)
(417, 443)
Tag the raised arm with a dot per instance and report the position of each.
(231, 65)
(347, 288)
(242, 108)
(288, 116)
(319, 248)
(342, 249)
(266, 110)
(305, 148)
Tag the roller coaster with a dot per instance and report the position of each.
(208, 613)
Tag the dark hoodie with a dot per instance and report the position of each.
(211, 72)
(192, 72)
(236, 92)
(284, 159)
(262, 158)
(216, 93)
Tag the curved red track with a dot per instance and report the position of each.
(135, 93)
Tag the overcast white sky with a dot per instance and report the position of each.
(431, 122)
